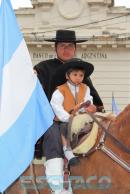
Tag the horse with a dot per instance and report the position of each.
(105, 169)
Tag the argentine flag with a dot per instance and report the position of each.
(115, 108)
(25, 113)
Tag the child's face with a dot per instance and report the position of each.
(76, 76)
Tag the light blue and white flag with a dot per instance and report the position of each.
(25, 113)
(115, 107)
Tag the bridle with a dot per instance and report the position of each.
(101, 145)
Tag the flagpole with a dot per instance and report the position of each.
(112, 101)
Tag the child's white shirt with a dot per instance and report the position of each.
(58, 99)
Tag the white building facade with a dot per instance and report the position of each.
(108, 46)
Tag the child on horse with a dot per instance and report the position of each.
(68, 97)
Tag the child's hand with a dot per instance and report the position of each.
(91, 108)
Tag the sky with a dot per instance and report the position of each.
(27, 3)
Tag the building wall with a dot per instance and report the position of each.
(108, 46)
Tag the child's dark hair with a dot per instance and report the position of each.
(75, 69)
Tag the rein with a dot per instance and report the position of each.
(117, 141)
(101, 146)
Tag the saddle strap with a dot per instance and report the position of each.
(69, 129)
(66, 174)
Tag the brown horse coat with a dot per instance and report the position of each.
(98, 173)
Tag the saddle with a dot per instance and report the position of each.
(84, 131)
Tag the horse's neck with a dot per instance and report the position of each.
(120, 127)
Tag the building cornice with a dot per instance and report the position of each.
(99, 41)
(99, 2)
(45, 4)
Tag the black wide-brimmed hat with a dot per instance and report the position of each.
(74, 63)
(66, 36)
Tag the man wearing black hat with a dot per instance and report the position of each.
(65, 47)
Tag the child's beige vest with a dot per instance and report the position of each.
(69, 101)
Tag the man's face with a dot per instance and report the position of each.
(65, 51)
